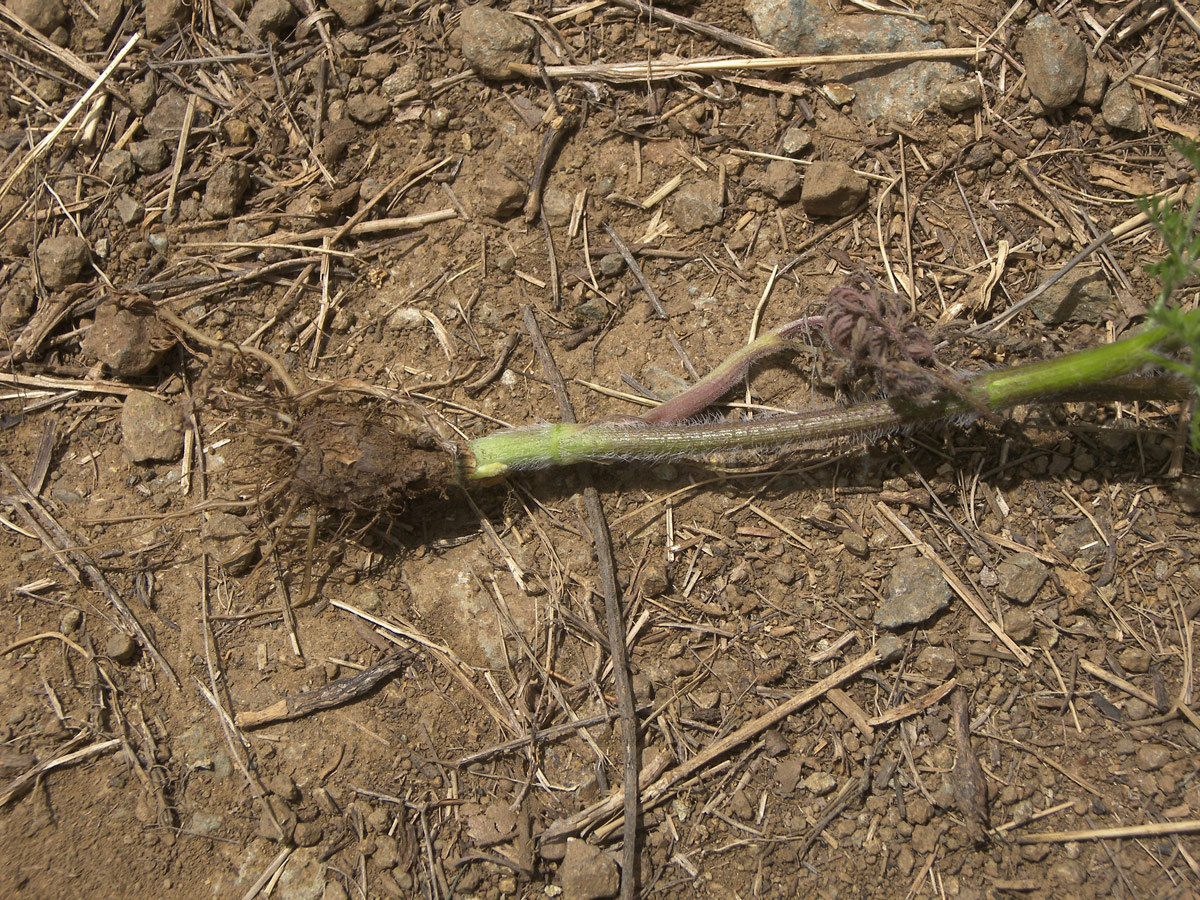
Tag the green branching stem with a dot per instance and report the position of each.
(1093, 371)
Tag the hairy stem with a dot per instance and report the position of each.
(541, 446)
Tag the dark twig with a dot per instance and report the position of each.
(631, 262)
(336, 693)
(613, 619)
(970, 789)
(562, 125)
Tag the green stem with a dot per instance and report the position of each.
(541, 446)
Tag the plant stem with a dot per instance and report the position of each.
(541, 446)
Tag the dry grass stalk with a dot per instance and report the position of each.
(45, 143)
(660, 69)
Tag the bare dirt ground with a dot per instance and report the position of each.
(280, 208)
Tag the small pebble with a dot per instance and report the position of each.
(774, 743)
(855, 543)
(70, 622)
(307, 834)
(121, 648)
(1135, 660)
(149, 155)
(1152, 757)
(959, 96)
(820, 783)
(1020, 625)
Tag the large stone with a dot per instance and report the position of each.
(44, 15)
(1082, 295)
(917, 591)
(697, 206)
(152, 428)
(163, 17)
(588, 873)
(128, 341)
(832, 189)
(353, 12)
(271, 18)
(224, 192)
(894, 90)
(61, 260)
(493, 40)
(1055, 61)
(1122, 109)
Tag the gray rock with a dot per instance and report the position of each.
(1067, 872)
(783, 181)
(44, 15)
(406, 77)
(1082, 295)
(959, 96)
(611, 265)
(282, 784)
(152, 428)
(557, 206)
(936, 662)
(493, 40)
(353, 12)
(205, 823)
(163, 17)
(271, 18)
(890, 647)
(225, 189)
(697, 206)
(1135, 660)
(832, 189)
(1122, 109)
(855, 543)
(17, 306)
(368, 108)
(500, 197)
(1152, 757)
(165, 120)
(1079, 541)
(820, 783)
(61, 260)
(308, 834)
(129, 210)
(70, 621)
(116, 167)
(1055, 61)
(149, 155)
(1094, 83)
(1020, 577)
(587, 873)
(129, 342)
(795, 141)
(121, 648)
(304, 877)
(917, 591)
(377, 66)
(899, 91)
(142, 95)
(1019, 625)
(233, 545)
